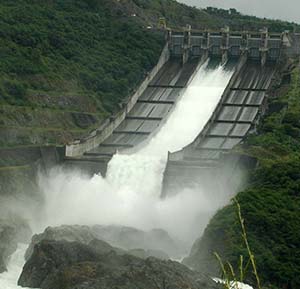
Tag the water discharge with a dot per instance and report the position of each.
(130, 193)
(8, 280)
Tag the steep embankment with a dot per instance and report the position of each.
(271, 204)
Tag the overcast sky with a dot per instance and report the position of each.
(279, 9)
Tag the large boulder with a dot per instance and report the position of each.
(131, 238)
(73, 265)
(81, 234)
(156, 243)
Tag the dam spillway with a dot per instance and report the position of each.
(203, 162)
(148, 114)
(129, 193)
(235, 115)
(180, 102)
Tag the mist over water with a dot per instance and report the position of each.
(130, 193)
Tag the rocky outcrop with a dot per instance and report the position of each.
(82, 234)
(202, 256)
(141, 253)
(72, 265)
(131, 238)
(156, 243)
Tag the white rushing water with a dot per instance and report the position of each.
(233, 284)
(129, 195)
(9, 279)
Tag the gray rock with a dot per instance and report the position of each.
(81, 234)
(129, 238)
(102, 247)
(73, 265)
(155, 243)
(144, 254)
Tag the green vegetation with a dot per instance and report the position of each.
(237, 21)
(72, 47)
(82, 56)
(229, 275)
(178, 15)
(271, 204)
(67, 65)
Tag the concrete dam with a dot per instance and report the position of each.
(252, 60)
(206, 93)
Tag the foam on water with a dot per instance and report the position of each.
(233, 284)
(9, 279)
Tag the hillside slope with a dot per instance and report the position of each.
(271, 204)
(66, 65)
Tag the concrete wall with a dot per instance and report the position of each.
(293, 46)
(96, 137)
(225, 44)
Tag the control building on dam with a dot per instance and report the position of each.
(237, 113)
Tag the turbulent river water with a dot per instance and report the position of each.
(130, 193)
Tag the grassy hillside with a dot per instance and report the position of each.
(66, 65)
(238, 21)
(177, 15)
(271, 205)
